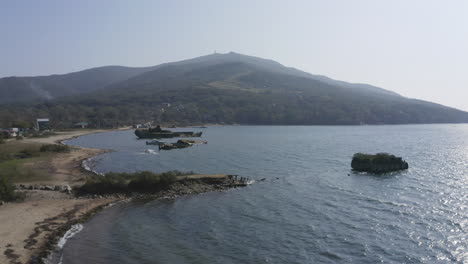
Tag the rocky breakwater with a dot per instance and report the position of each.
(166, 184)
(196, 184)
(57, 188)
(378, 163)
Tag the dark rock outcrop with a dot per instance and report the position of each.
(378, 163)
(181, 143)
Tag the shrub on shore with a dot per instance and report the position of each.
(147, 181)
(144, 181)
(7, 190)
(54, 148)
(26, 153)
(110, 183)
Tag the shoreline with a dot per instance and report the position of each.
(51, 252)
(27, 226)
(54, 213)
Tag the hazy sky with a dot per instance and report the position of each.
(418, 48)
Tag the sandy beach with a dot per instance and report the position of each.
(26, 226)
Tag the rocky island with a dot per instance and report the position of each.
(378, 163)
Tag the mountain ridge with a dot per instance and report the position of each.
(47, 87)
(223, 88)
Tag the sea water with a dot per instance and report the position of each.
(311, 208)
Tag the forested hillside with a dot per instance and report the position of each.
(232, 88)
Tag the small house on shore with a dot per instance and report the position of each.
(43, 124)
(81, 125)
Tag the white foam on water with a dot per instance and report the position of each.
(151, 151)
(75, 229)
(54, 255)
(86, 166)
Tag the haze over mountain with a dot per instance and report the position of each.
(217, 88)
(15, 89)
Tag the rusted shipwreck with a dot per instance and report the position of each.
(157, 132)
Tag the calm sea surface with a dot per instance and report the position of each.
(310, 209)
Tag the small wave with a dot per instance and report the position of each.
(56, 256)
(75, 229)
(115, 203)
(109, 205)
(151, 151)
(85, 164)
(330, 255)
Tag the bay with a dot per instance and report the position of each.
(311, 208)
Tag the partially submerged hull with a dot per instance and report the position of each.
(155, 142)
(181, 143)
(165, 134)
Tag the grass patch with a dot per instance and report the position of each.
(16, 159)
(18, 150)
(54, 148)
(17, 171)
(144, 181)
(16, 146)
